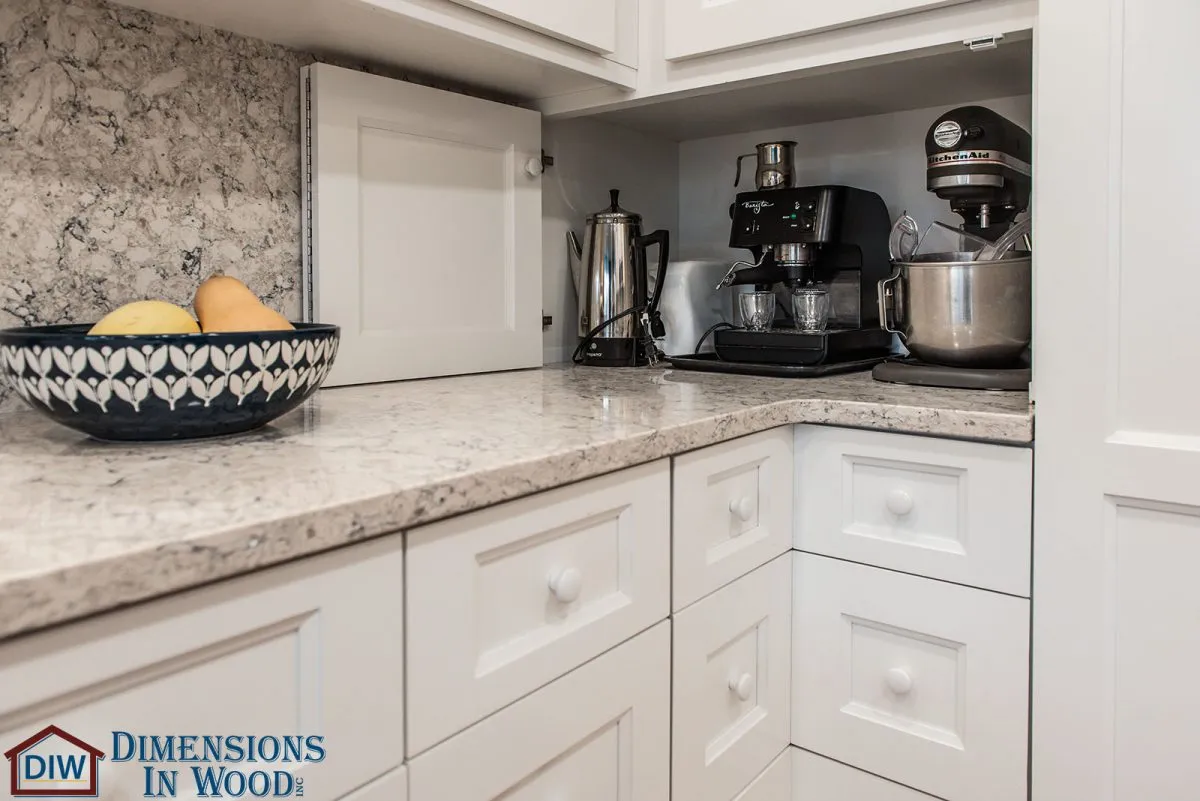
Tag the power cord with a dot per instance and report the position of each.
(709, 332)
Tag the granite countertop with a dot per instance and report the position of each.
(88, 526)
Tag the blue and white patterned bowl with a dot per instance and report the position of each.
(165, 386)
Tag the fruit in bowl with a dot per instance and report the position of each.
(149, 371)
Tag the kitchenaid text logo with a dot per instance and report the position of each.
(53, 763)
(757, 205)
(992, 157)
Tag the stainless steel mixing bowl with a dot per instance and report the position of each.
(952, 311)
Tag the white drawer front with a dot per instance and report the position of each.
(509, 598)
(730, 692)
(294, 650)
(919, 681)
(732, 511)
(600, 733)
(816, 778)
(958, 511)
(774, 783)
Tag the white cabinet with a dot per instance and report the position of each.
(424, 228)
(1117, 512)
(957, 511)
(815, 778)
(732, 511)
(312, 648)
(392, 786)
(587, 23)
(774, 783)
(600, 733)
(919, 681)
(699, 27)
(503, 600)
(730, 687)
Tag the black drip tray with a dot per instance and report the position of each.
(712, 363)
(911, 371)
(787, 346)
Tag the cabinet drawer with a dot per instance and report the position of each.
(311, 648)
(591, 24)
(600, 732)
(506, 599)
(732, 511)
(815, 778)
(919, 681)
(774, 783)
(958, 511)
(730, 694)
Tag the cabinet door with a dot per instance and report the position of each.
(312, 648)
(730, 693)
(588, 23)
(423, 227)
(699, 27)
(732, 511)
(1116, 495)
(506, 599)
(816, 778)
(922, 682)
(600, 733)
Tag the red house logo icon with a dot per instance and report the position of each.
(52, 764)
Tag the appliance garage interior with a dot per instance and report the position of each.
(621, 400)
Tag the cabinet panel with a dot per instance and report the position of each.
(774, 783)
(698, 27)
(730, 693)
(410, 184)
(506, 599)
(587, 23)
(816, 778)
(919, 681)
(732, 511)
(958, 511)
(314, 648)
(600, 733)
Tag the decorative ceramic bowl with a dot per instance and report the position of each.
(165, 386)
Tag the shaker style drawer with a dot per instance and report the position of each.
(600, 732)
(957, 511)
(774, 783)
(815, 778)
(919, 681)
(312, 648)
(732, 511)
(730, 693)
(506, 599)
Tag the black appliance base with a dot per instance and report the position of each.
(615, 352)
(711, 363)
(791, 347)
(906, 370)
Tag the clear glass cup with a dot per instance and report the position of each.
(810, 308)
(758, 310)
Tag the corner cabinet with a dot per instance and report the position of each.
(700, 27)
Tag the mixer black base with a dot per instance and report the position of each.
(907, 370)
(788, 346)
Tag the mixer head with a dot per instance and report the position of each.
(979, 161)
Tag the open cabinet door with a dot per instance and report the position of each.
(422, 227)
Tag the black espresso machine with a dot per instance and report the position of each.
(832, 236)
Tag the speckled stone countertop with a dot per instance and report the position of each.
(88, 526)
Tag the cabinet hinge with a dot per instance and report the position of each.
(983, 42)
(547, 161)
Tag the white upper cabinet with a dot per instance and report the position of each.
(698, 27)
(424, 228)
(591, 24)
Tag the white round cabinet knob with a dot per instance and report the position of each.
(898, 681)
(565, 584)
(742, 508)
(899, 502)
(533, 167)
(742, 685)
